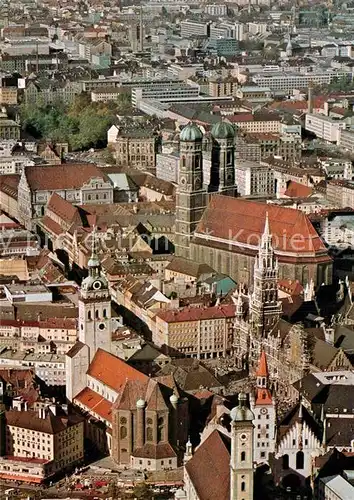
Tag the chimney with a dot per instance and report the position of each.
(326, 108)
(310, 98)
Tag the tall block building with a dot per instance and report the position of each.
(190, 196)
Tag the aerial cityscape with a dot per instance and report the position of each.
(176, 250)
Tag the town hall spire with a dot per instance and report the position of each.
(265, 306)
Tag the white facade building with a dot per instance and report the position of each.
(251, 178)
(324, 127)
(287, 82)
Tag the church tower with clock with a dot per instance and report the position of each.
(264, 409)
(95, 307)
(190, 196)
(241, 457)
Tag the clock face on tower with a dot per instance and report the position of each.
(97, 285)
(264, 411)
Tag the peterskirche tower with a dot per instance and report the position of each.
(95, 306)
(265, 306)
(222, 175)
(241, 459)
(190, 196)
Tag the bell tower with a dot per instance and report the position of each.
(241, 460)
(265, 306)
(222, 175)
(264, 409)
(190, 196)
(95, 306)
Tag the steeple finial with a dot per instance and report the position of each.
(266, 231)
(262, 366)
(94, 261)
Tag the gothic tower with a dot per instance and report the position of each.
(265, 306)
(222, 175)
(241, 460)
(190, 196)
(95, 306)
(263, 407)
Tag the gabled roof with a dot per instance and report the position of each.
(297, 190)
(209, 468)
(155, 451)
(188, 267)
(51, 424)
(62, 208)
(95, 403)
(242, 221)
(112, 371)
(198, 313)
(297, 414)
(58, 177)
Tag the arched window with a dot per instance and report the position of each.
(89, 315)
(285, 462)
(300, 460)
(104, 313)
(149, 434)
(243, 486)
(160, 429)
(96, 313)
(123, 432)
(243, 456)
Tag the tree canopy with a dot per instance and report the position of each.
(83, 124)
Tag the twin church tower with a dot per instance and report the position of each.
(192, 195)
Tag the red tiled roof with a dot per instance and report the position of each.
(299, 105)
(113, 371)
(263, 397)
(197, 313)
(241, 117)
(209, 468)
(62, 208)
(52, 226)
(26, 479)
(293, 287)
(65, 176)
(298, 190)
(155, 451)
(9, 184)
(338, 111)
(262, 370)
(62, 323)
(242, 221)
(95, 403)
